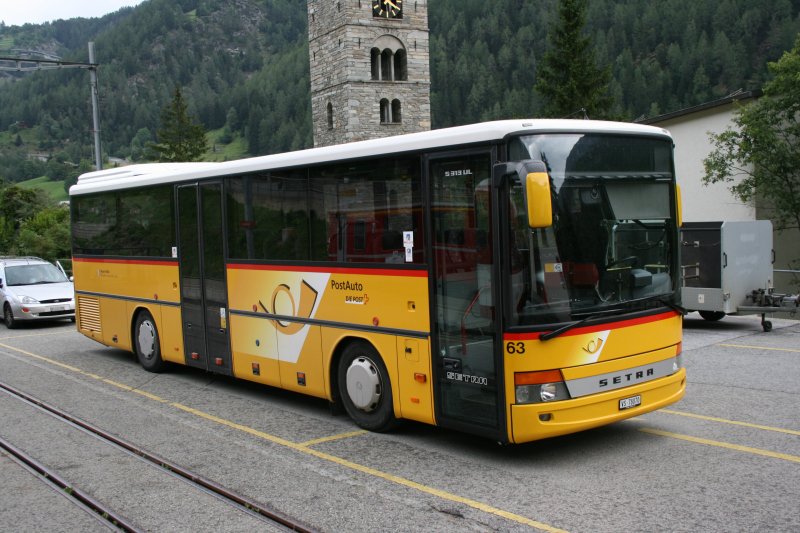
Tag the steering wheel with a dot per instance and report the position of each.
(632, 259)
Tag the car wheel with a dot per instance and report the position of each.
(146, 343)
(8, 317)
(365, 388)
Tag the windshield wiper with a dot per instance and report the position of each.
(660, 298)
(563, 329)
(572, 325)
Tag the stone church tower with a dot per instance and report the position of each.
(370, 74)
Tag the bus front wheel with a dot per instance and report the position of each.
(146, 343)
(365, 388)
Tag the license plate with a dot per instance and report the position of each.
(58, 308)
(627, 403)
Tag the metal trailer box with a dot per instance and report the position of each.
(723, 263)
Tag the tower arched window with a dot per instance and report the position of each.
(375, 62)
(400, 65)
(386, 111)
(330, 116)
(388, 59)
(387, 65)
(397, 115)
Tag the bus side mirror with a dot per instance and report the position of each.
(540, 207)
(533, 176)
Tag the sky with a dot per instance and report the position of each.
(18, 12)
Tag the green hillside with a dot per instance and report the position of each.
(243, 68)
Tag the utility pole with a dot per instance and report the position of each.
(98, 156)
(24, 64)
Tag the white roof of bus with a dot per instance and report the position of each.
(155, 173)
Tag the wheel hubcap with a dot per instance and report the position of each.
(146, 338)
(364, 384)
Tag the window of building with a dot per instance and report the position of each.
(386, 65)
(388, 60)
(375, 63)
(397, 116)
(391, 112)
(330, 116)
(386, 111)
(400, 65)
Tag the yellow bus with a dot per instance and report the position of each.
(515, 279)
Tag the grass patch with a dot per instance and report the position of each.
(55, 189)
(236, 149)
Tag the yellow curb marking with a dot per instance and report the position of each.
(727, 445)
(759, 348)
(732, 422)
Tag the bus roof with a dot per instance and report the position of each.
(158, 173)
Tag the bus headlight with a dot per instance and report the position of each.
(538, 387)
(547, 392)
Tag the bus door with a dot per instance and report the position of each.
(466, 380)
(204, 302)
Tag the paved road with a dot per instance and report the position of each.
(726, 458)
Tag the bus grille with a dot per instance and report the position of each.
(89, 309)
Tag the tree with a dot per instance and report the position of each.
(139, 144)
(568, 77)
(45, 235)
(181, 137)
(762, 148)
(16, 206)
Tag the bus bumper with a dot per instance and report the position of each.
(542, 420)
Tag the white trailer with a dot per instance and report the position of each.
(727, 270)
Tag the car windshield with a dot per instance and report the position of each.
(611, 246)
(34, 274)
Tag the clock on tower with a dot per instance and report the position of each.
(390, 9)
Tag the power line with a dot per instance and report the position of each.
(30, 64)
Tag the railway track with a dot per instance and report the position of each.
(257, 510)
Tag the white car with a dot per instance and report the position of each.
(34, 289)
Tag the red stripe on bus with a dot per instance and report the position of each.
(329, 270)
(156, 262)
(593, 329)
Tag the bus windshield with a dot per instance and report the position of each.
(610, 248)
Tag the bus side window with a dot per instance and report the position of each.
(364, 209)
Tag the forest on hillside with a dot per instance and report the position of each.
(664, 56)
(243, 68)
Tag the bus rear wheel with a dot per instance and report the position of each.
(365, 388)
(147, 344)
